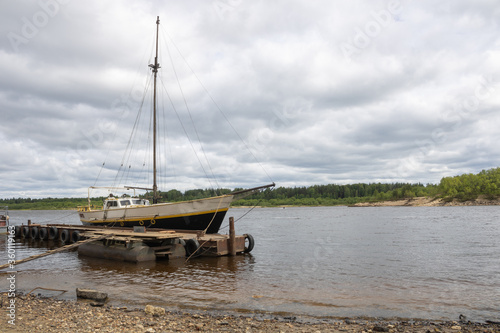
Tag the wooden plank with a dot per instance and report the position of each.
(142, 235)
(133, 236)
(163, 253)
(150, 233)
(117, 238)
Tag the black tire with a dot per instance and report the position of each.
(75, 236)
(251, 243)
(52, 233)
(34, 233)
(19, 231)
(43, 233)
(64, 236)
(26, 232)
(192, 248)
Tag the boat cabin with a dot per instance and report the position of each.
(115, 203)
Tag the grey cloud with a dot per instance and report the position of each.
(416, 101)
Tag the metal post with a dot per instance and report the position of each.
(155, 72)
(232, 237)
(155, 187)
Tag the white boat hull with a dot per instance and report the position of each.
(204, 214)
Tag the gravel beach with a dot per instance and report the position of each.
(41, 314)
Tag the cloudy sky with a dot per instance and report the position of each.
(305, 92)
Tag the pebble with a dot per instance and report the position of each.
(38, 314)
(380, 329)
(154, 310)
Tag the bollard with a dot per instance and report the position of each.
(29, 222)
(232, 237)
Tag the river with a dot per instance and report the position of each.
(408, 262)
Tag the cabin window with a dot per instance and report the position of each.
(125, 202)
(112, 204)
(137, 202)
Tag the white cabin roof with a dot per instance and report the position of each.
(114, 203)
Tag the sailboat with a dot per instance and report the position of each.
(203, 214)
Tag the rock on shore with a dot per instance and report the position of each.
(39, 314)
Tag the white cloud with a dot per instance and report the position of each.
(322, 92)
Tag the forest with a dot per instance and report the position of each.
(463, 187)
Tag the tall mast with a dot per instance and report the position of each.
(154, 68)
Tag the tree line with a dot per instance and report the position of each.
(332, 194)
(470, 186)
(462, 187)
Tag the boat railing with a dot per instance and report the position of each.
(88, 208)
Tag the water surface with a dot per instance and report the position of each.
(413, 262)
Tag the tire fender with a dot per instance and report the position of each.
(76, 236)
(42, 233)
(52, 233)
(251, 243)
(64, 236)
(192, 248)
(19, 231)
(26, 232)
(34, 233)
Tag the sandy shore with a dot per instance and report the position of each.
(413, 202)
(40, 314)
(429, 202)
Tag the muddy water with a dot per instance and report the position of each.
(416, 262)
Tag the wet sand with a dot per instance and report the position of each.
(42, 314)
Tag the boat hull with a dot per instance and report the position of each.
(205, 214)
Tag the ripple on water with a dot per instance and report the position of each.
(427, 262)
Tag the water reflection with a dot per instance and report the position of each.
(192, 282)
(326, 261)
(225, 266)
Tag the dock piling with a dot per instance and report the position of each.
(232, 237)
(138, 244)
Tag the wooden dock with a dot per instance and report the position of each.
(139, 244)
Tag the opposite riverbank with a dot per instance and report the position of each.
(409, 202)
(430, 202)
(481, 200)
(40, 314)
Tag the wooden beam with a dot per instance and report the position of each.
(60, 249)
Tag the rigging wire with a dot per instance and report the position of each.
(128, 150)
(217, 106)
(242, 216)
(164, 147)
(161, 172)
(127, 166)
(185, 131)
(58, 218)
(191, 117)
(124, 113)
